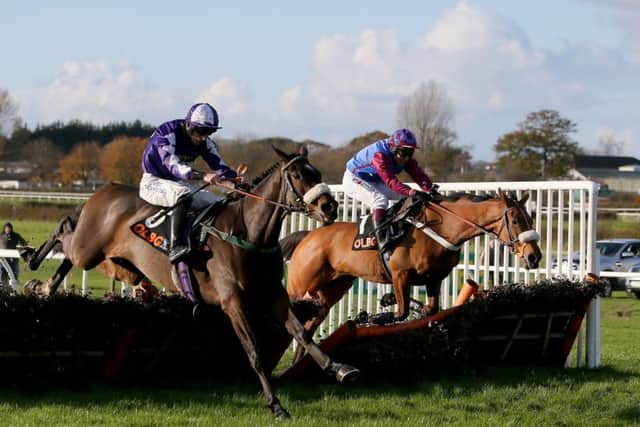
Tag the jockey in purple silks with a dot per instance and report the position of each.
(166, 172)
(370, 177)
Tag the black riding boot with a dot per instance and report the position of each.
(382, 235)
(179, 245)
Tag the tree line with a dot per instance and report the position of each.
(541, 146)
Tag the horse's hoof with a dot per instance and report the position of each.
(279, 412)
(33, 287)
(388, 300)
(347, 374)
(382, 318)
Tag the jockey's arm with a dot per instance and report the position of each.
(212, 157)
(417, 174)
(383, 166)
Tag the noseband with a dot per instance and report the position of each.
(524, 237)
(302, 200)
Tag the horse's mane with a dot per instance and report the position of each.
(454, 197)
(257, 180)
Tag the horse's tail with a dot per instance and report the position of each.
(289, 243)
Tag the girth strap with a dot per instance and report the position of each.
(236, 241)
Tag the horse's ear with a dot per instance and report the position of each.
(502, 195)
(525, 197)
(283, 156)
(303, 151)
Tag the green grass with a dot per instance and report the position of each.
(488, 396)
(608, 396)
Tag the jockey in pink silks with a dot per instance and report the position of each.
(371, 178)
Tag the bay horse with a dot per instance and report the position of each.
(241, 273)
(323, 265)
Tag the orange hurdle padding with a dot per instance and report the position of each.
(469, 289)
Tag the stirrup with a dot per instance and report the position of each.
(177, 253)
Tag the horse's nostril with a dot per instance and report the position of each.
(328, 208)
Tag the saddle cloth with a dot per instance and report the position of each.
(365, 238)
(157, 231)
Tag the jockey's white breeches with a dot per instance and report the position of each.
(375, 195)
(164, 192)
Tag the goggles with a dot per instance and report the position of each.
(404, 151)
(203, 131)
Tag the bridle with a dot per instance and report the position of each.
(524, 237)
(301, 201)
(302, 205)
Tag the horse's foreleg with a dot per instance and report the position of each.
(343, 372)
(401, 290)
(235, 309)
(330, 294)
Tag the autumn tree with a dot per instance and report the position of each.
(81, 164)
(428, 113)
(121, 159)
(540, 148)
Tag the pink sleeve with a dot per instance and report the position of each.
(382, 164)
(417, 174)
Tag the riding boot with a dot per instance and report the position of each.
(179, 245)
(381, 229)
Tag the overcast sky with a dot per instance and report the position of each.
(328, 70)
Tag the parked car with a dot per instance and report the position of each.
(615, 255)
(632, 284)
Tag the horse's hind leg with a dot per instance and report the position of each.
(235, 309)
(50, 286)
(34, 259)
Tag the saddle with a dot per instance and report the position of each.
(396, 214)
(156, 231)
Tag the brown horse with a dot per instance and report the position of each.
(241, 272)
(323, 265)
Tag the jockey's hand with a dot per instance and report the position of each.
(425, 198)
(434, 194)
(211, 178)
(243, 186)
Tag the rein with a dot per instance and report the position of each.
(255, 196)
(528, 235)
(300, 199)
